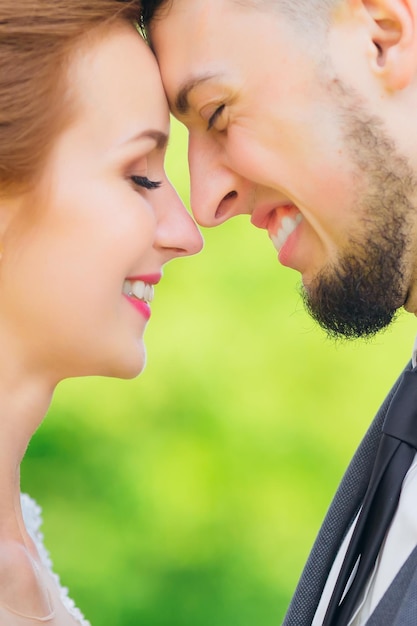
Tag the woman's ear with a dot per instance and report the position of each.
(393, 30)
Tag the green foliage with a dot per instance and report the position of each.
(191, 496)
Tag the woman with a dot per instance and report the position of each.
(87, 220)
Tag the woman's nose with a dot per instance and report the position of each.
(177, 232)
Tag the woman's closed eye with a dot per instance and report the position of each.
(214, 118)
(145, 182)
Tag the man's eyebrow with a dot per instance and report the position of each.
(181, 104)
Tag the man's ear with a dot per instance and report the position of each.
(393, 28)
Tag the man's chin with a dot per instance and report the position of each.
(346, 318)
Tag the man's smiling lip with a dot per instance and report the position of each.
(269, 217)
(281, 222)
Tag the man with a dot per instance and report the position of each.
(301, 114)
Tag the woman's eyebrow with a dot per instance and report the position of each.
(160, 137)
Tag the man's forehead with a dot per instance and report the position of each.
(189, 18)
(166, 8)
(193, 45)
(186, 24)
(190, 56)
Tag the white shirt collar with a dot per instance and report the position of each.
(414, 357)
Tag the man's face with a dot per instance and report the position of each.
(276, 134)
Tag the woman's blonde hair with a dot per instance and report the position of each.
(36, 41)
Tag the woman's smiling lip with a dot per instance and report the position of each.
(150, 279)
(139, 292)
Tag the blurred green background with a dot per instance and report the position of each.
(191, 495)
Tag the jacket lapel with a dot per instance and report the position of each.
(340, 515)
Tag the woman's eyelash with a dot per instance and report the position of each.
(215, 115)
(144, 181)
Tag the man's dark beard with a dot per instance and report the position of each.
(359, 296)
(360, 293)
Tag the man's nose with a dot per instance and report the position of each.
(217, 191)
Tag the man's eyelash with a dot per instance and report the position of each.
(145, 182)
(215, 115)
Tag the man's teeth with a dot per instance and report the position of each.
(288, 226)
(139, 289)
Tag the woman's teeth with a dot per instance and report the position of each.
(288, 226)
(139, 289)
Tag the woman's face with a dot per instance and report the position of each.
(101, 223)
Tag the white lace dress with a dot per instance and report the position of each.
(32, 515)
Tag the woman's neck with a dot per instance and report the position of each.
(23, 404)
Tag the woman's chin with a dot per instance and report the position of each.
(127, 369)
(130, 373)
(125, 366)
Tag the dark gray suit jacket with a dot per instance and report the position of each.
(398, 607)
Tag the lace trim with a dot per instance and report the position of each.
(32, 515)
